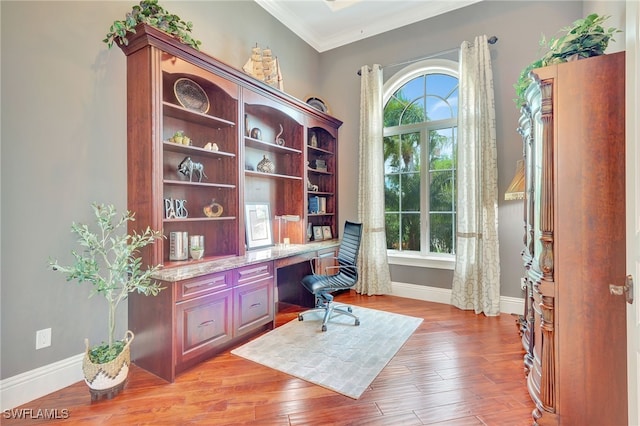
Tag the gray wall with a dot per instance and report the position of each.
(64, 145)
(64, 134)
(518, 26)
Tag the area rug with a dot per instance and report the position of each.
(345, 358)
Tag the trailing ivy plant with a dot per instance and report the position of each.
(110, 262)
(583, 39)
(151, 13)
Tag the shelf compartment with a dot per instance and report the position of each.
(319, 172)
(194, 150)
(200, 184)
(199, 219)
(177, 111)
(319, 151)
(269, 146)
(251, 173)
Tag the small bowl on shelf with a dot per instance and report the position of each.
(197, 253)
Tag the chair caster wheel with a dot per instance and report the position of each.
(357, 322)
(349, 309)
(300, 318)
(324, 328)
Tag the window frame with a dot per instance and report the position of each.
(413, 258)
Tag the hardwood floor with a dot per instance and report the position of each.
(458, 368)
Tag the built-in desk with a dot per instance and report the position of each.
(209, 305)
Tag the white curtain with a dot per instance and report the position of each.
(373, 267)
(476, 278)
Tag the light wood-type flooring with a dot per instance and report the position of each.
(458, 368)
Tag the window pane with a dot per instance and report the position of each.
(442, 145)
(392, 227)
(442, 102)
(393, 111)
(412, 89)
(438, 109)
(442, 230)
(392, 154)
(442, 191)
(414, 113)
(411, 231)
(392, 193)
(410, 152)
(410, 190)
(441, 85)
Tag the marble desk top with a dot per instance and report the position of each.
(195, 268)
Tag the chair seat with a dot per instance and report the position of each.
(316, 284)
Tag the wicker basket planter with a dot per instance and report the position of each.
(108, 379)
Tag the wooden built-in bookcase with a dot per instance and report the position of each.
(211, 303)
(237, 104)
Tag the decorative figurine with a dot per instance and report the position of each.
(187, 167)
(213, 210)
(266, 166)
(311, 187)
(279, 140)
(256, 133)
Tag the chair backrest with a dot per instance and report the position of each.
(349, 247)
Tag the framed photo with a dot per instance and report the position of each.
(326, 233)
(317, 233)
(258, 225)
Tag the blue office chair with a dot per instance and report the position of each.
(343, 276)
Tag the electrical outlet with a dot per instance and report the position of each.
(43, 338)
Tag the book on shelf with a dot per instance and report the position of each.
(314, 205)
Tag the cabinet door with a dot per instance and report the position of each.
(253, 298)
(202, 325)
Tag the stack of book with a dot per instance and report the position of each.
(320, 165)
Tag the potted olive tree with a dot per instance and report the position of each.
(109, 261)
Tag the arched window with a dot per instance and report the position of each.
(420, 136)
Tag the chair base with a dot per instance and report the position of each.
(329, 309)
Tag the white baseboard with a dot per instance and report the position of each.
(508, 305)
(25, 387)
(30, 385)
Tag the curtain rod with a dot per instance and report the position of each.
(490, 40)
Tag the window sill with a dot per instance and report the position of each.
(422, 261)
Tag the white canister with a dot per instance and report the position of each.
(178, 245)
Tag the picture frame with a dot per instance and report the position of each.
(326, 233)
(317, 233)
(258, 225)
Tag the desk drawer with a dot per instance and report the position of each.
(253, 273)
(292, 260)
(199, 286)
(254, 305)
(202, 324)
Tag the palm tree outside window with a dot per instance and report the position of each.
(420, 136)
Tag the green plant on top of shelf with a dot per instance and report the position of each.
(583, 39)
(151, 13)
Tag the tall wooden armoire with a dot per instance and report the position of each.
(573, 128)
